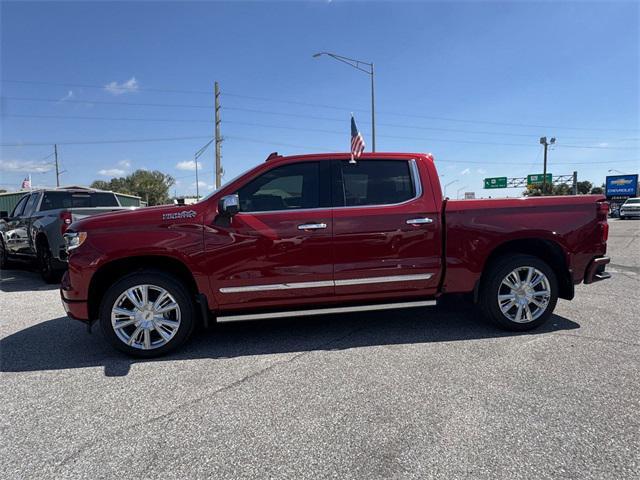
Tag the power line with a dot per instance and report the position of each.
(341, 120)
(97, 142)
(410, 115)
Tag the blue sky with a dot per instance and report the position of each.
(475, 83)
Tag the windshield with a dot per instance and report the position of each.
(632, 200)
(58, 200)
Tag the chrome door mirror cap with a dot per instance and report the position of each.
(229, 205)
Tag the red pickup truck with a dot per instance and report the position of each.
(316, 234)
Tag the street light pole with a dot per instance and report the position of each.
(458, 192)
(543, 141)
(352, 62)
(445, 187)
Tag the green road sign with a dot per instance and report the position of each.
(495, 182)
(537, 179)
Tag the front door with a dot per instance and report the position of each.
(386, 231)
(277, 250)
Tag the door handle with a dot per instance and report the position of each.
(312, 226)
(419, 221)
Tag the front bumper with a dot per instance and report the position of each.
(630, 213)
(76, 309)
(595, 271)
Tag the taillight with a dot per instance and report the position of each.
(65, 221)
(605, 232)
(603, 209)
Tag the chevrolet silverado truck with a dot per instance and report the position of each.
(320, 234)
(34, 230)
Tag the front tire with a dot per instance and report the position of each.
(147, 314)
(519, 292)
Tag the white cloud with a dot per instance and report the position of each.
(202, 184)
(25, 166)
(466, 171)
(115, 88)
(603, 144)
(188, 165)
(111, 172)
(482, 171)
(124, 163)
(68, 96)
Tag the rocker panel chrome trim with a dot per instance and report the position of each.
(325, 311)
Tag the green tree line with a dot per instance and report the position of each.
(152, 186)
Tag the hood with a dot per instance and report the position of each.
(147, 216)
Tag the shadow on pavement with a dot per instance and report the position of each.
(62, 343)
(23, 281)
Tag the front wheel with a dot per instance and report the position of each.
(147, 314)
(519, 292)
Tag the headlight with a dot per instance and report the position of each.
(73, 240)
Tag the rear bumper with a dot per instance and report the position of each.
(595, 270)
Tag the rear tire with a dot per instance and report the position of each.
(4, 256)
(48, 272)
(519, 292)
(147, 314)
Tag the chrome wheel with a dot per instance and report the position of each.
(524, 294)
(145, 317)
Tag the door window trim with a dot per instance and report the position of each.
(415, 178)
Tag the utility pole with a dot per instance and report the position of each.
(543, 141)
(373, 115)
(218, 137)
(575, 183)
(55, 153)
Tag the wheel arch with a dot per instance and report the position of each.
(549, 251)
(110, 272)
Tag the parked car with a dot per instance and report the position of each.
(34, 230)
(317, 234)
(630, 209)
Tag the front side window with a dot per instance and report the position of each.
(31, 204)
(289, 187)
(376, 182)
(19, 208)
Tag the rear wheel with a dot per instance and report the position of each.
(4, 256)
(147, 314)
(46, 265)
(519, 292)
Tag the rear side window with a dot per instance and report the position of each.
(58, 200)
(376, 182)
(289, 187)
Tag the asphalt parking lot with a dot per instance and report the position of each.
(427, 393)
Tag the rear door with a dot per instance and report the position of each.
(277, 250)
(386, 230)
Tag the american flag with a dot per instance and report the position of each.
(26, 183)
(357, 141)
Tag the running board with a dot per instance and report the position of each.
(325, 311)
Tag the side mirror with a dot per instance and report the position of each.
(229, 205)
(4, 215)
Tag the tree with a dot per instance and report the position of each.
(584, 187)
(152, 186)
(598, 190)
